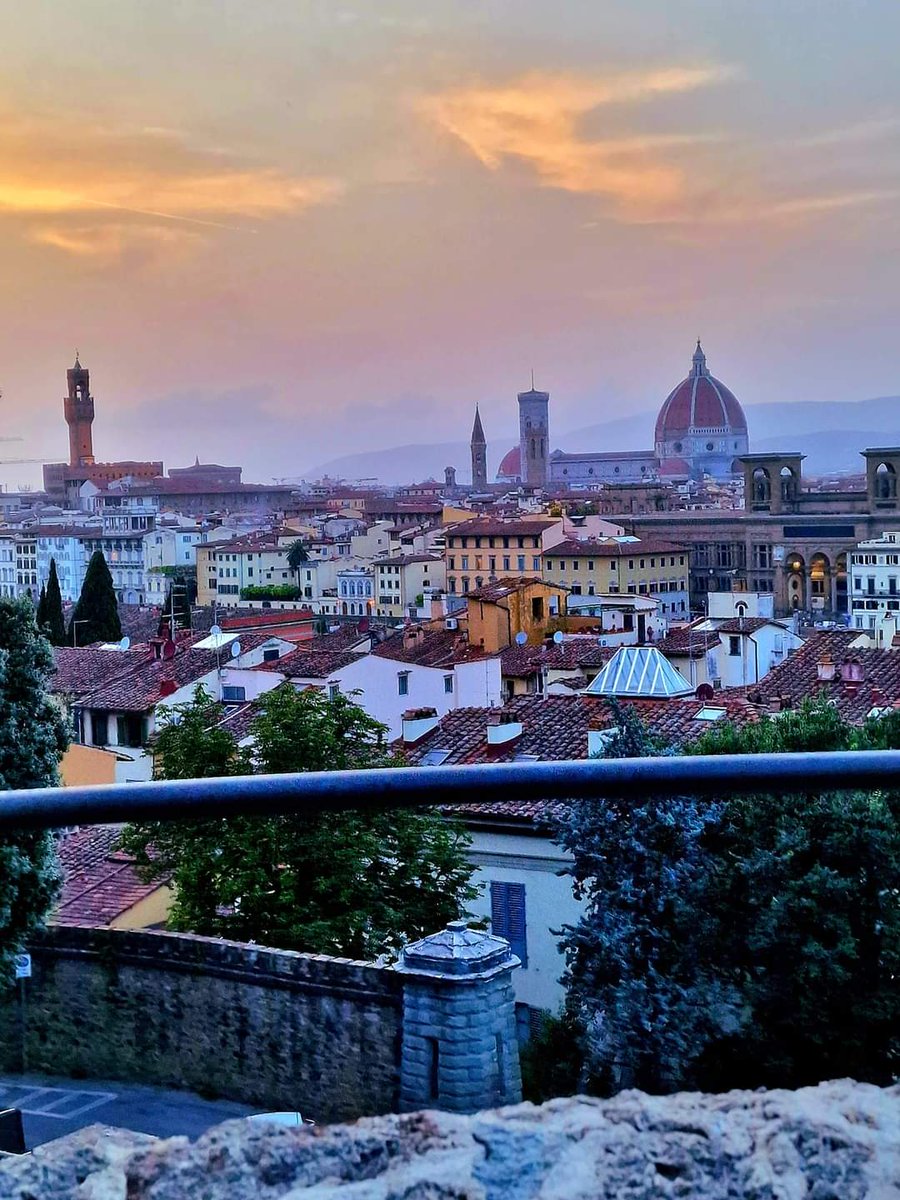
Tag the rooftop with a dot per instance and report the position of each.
(99, 881)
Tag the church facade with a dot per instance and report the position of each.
(700, 430)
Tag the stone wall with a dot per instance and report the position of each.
(269, 1027)
(838, 1141)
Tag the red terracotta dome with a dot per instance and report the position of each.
(701, 404)
(511, 466)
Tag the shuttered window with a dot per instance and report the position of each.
(508, 916)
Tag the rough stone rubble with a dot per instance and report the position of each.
(838, 1141)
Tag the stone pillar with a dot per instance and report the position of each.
(459, 1050)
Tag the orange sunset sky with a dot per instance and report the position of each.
(281, 231)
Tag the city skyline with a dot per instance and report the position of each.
(283, 235)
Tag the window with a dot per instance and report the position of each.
(403, 683)
(234, 695)
(271, 655)
(508, 916)
(448, 684)
(537, 608)
(734, 647)
(520, 562)
(334, 690)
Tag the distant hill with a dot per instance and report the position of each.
(829, 434)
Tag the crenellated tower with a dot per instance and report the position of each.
(79, 410)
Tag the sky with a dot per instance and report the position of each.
(282, 231)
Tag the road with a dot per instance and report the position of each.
(52, 1107)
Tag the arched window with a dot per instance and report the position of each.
(885, 482)
(532, 448)
(788, 484)
(762, 486)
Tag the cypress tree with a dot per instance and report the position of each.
(33, 736)
(97, 612)
(41, 615)
(53, 608)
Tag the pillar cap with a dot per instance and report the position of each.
(458, 950)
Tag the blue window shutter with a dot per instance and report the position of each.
(508, 916)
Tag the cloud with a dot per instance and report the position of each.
(872, 130)
(535, 120)
(103, 245)
(53, 168)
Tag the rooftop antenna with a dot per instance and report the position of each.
(532, 378)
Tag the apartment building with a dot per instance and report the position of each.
(403, 580)
(595, 566)
(874, 580)
(482, 549)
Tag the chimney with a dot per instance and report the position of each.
(412, 635)
(506, 731)
(878, 697)
(417, 723)
(167, 687)
(852, 670)
(825, 669)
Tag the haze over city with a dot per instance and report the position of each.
(285, 232)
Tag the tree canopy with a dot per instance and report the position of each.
(33, 738)
(354, 883)
(740, 941)
(95, 617)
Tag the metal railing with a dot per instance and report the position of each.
(333, 791)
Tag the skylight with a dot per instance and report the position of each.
(710, 713)
(435, 758)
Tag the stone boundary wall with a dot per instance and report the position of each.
(272, 1028)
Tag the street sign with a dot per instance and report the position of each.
(23, 966)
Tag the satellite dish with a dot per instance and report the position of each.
(558, 636)
(235, 649)
(168, 650)
(125, 643)
(215, 631)
(521, 638)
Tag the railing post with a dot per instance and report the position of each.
(459, 1047)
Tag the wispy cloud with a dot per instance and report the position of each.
(535, 120)
(872, 130)
(53, 169)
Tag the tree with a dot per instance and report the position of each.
(740, 941)
(635, 970)
(33, 737)
(95, 617)
(354, 883)
(53, 617)
(297, 555)
(40, 615)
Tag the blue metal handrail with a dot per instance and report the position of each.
(333, 791)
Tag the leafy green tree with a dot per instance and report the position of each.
(353, 883)
(53, 615)
(33, 737)
(95, 617)
(740, 941)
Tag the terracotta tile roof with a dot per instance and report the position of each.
(281, 616)
(687, 640)
(135, 681)
(310, 664)
(83, 669)
(499, 589)
(745, 624)
(401, 560)
(491, 526)
(797, 678)
(600, 548)
(100, 882)
(343, 638)
(556, 727)
(522, 662)
(429, 648)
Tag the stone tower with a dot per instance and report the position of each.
(479, 454)
(534, 436)
(79, 410)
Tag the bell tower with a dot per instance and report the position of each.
(534, 436)
(478, 447)
(79, 410)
